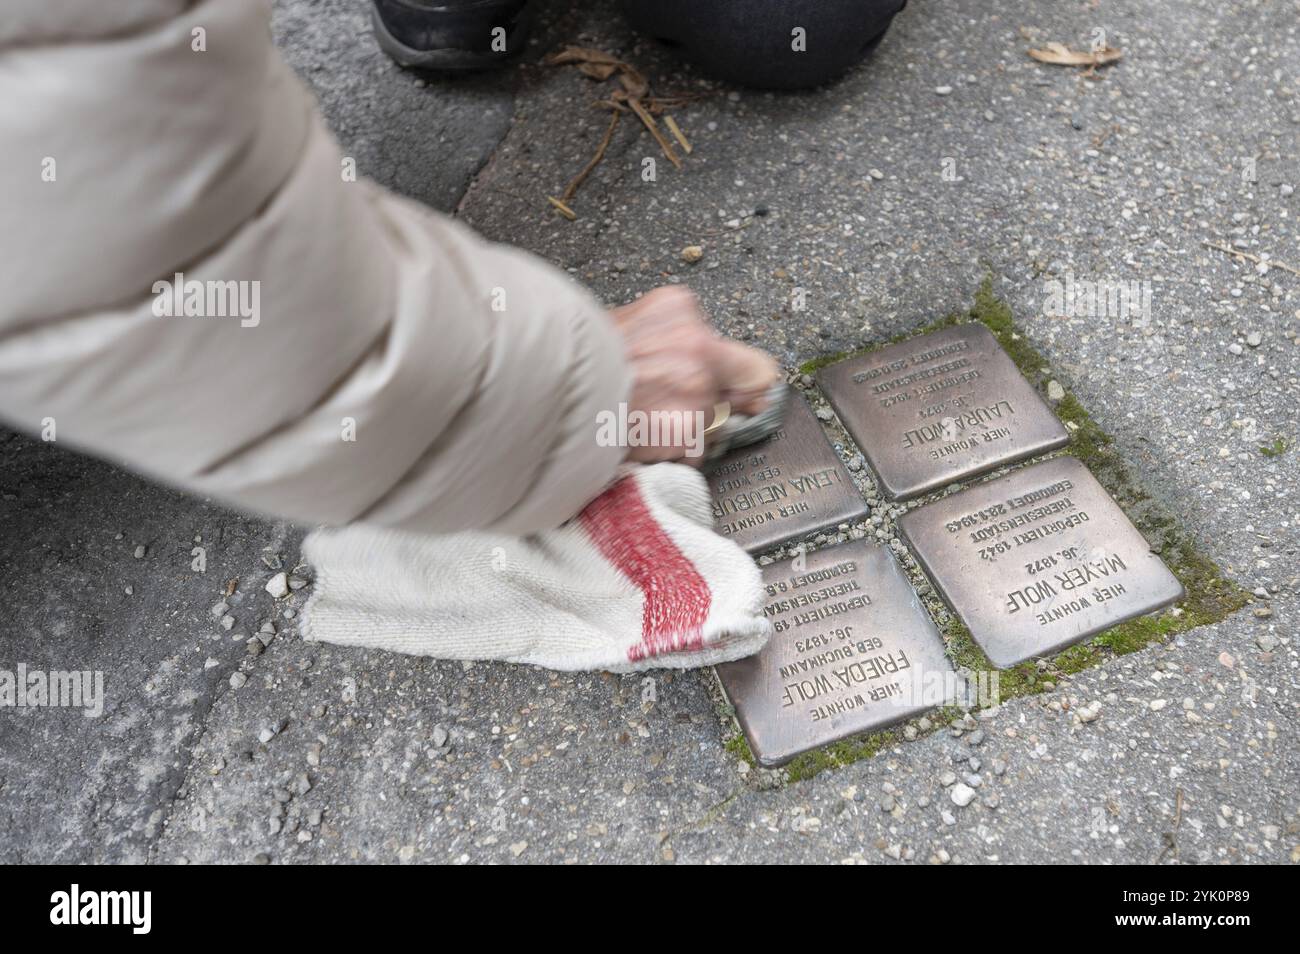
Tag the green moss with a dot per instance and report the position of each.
(841, 753)
(1275, 449)
(738, 746)
(1209, 595)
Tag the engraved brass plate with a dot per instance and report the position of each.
(1037, 560)
(854, 650)
(785, 487)
(939, 408)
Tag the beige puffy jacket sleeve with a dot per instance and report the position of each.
(471, 373)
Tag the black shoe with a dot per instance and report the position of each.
(452, 34)
(751, 42)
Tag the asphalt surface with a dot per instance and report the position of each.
(311, 753)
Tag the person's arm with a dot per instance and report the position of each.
(378, 361)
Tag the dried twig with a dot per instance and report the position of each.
(653, 126)
(632, 93)
(563, 208)
(678, 134)
(1270, 262)
(577, 180)
(1171, 837)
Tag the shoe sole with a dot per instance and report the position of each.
(448, 59)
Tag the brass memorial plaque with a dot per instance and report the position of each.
(1037, 560)
(784, 487)
(853, 651)
(939, 408)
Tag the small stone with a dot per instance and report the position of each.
(261, 858)
(254, 647)
(1226, 660)
(692, 254)
(1267, 642)
(947, 778)
(1235, 348)
(1158, 704)
(875, 173)
(943, 90)
(211, 663)
(1254, 339)
(518, 848)
(227, 622)
(962, 794)
(237, 680)
(220, 609)
(140, 552)
(266, 735)
(302, 784)
(888, 803)
(297, 582)
(1263, 612)
(278, 585)
(975, 738)
(440, 736)
(1054, 391)
(1285, 189)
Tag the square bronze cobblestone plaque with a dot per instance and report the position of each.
(1037, 560)
(785, 487)
(939, 408)
(854, 650)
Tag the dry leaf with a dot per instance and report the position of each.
(1059, 54)
(636, 85)
(584, 54)
(633, 92)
